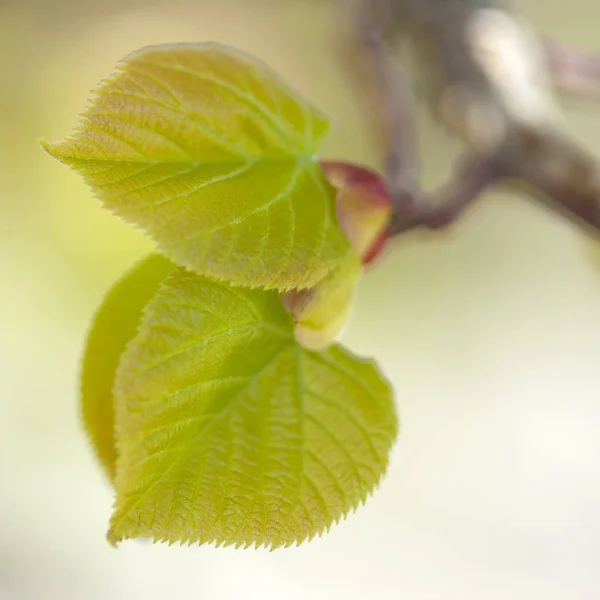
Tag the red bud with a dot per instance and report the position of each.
(364, 206)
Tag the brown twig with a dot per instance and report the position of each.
(383, 84)
(471, 179)
(533, 153)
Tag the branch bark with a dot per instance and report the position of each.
(534, 152)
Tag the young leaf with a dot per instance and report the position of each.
(114, 325)
(212, 155)
(363, 207)
(321, 312)
(228, 431)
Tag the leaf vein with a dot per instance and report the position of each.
(271, 124)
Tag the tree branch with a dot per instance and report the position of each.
(383, 85)
(470, 180)
(533, 153)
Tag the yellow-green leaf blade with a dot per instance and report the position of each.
(229, 431)
(212, 155)
(320, 313)
(114, 325)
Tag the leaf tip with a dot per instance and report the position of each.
(113, 539)
(47, 146)
(53, 149)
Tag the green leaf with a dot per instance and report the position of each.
(320, 313)
(212, 155)
(114, 325)
(229, 431)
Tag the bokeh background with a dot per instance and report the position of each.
(490, 334)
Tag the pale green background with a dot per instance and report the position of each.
(490, 334)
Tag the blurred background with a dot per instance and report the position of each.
(490, 334)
